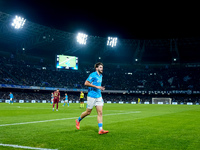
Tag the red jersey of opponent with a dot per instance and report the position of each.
(56, 95)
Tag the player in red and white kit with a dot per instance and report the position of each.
(56, 99)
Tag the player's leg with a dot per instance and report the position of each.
(82, 104)
(68, 103)
(64, 103)
(53, 104)
(11, 101)
(99, 108)
(83, 115)
(99, 116)
(91, 103)
(57, 105)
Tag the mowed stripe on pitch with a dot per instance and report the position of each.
(2, 125)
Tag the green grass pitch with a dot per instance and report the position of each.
(159, 127)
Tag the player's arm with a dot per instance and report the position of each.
(87, 83)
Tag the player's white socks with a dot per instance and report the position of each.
(100, 126)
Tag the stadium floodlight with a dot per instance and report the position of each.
(112, 41)
(82, 38)
(18, 22)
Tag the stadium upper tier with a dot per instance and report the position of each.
(115, 77)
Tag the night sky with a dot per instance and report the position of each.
(124, 19)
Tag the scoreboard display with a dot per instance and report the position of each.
(66, 62)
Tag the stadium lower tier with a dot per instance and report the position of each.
(39, 95)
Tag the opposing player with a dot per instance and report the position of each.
(66, 100)
(81, 100)
(11, 98)
(56, 99)
(51, 98)
(94, 97)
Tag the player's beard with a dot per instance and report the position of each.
(100, 71)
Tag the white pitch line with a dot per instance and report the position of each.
(2, 125)
(24, 147)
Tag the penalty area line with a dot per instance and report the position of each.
(24, 147)
(2, 125)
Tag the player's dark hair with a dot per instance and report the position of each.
(97, 65)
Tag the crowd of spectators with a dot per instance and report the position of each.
(116, 77)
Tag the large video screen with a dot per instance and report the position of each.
(67, 62)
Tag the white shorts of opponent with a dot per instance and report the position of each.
(91, 102)
(66, 101)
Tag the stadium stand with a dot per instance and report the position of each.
(145, 78)
(116, 77)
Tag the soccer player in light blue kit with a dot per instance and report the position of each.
(51, 98)
(66, 100)
(94, 97)
(11, 97)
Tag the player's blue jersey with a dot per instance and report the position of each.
(11, 95)
(95, 79)
(51, 95)
(66, 97)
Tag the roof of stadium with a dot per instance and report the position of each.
(149, 33)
